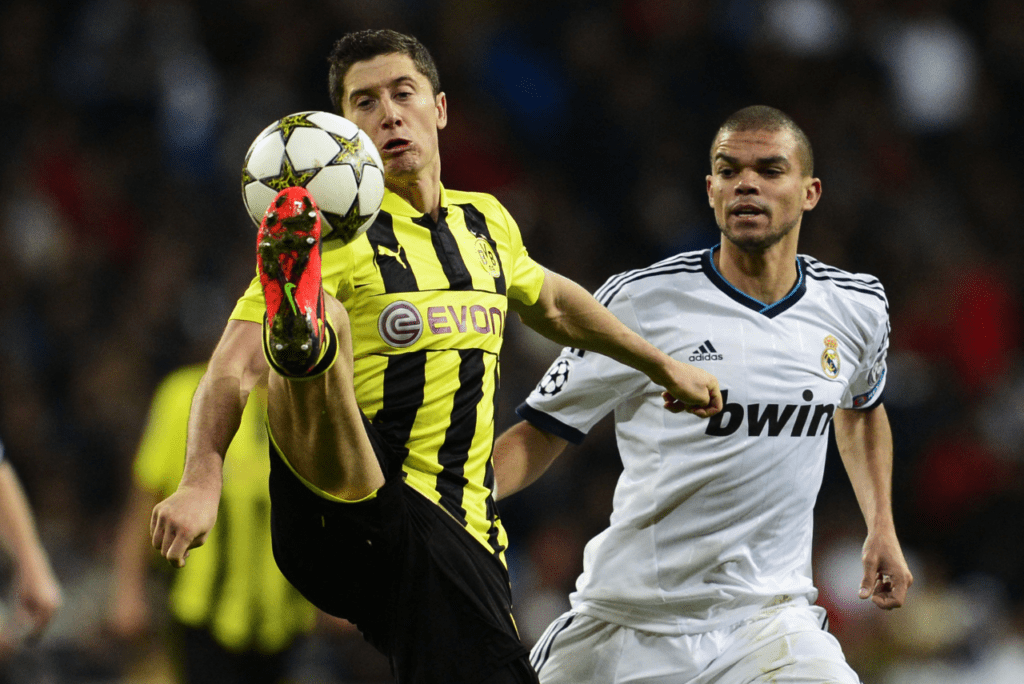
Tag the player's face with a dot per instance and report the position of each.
(393, 102)
(758, 189)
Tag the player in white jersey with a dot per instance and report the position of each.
(704, 572)
(36, 592)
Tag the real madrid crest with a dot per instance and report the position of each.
(830, 357)
(488, 259)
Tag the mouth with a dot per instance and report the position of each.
(395, 146)
(747, 211)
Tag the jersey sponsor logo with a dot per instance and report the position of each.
(400, 324)
(830, 357)
(488, 259)
(706, 352)
(771, 420)
(552, 383)
(443, 320)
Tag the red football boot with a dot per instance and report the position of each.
(288, 261)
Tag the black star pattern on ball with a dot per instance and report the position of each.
(288, 124)
(247, 177)
(352, 152)
(288, 177)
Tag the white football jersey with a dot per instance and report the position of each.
(713, 517)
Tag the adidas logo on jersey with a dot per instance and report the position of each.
(706, 352)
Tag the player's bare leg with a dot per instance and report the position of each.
(317, 424)
(312, 410)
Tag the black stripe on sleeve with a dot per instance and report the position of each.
(549, 423)
(852, 288)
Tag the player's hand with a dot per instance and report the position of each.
(182, 521)
(886, 574)
(692, 390)
(38, 595)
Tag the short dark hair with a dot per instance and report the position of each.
(765, 118)
(360, 46)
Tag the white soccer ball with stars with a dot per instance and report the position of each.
(326, 154)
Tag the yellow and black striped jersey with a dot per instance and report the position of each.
(427, 303)
(231, 587)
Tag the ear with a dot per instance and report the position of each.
(812, 193)
(441, 106)
(711, 193)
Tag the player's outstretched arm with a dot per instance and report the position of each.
(521, 455)
(37, 592)
(569, 315)
(865, 444)
(182, 521)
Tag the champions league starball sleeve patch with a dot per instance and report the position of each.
(552, 383)
(862, 400)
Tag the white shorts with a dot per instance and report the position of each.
(783, 644)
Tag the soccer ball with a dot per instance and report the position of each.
(330, 157)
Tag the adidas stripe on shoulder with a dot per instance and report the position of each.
(855, 282)
(685, 262)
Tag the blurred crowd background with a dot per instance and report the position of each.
(125, 243)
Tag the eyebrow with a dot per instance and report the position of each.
(761, 161)
(394, 83)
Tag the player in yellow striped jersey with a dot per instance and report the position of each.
(381, 475)
(235, 617)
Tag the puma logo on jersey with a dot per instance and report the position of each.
(797, 420)
(706, 352)
(387, 251)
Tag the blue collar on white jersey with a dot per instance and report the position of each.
(769, 310)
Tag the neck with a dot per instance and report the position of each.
(422, 192)
(767, 276)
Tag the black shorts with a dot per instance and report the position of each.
(418, 586)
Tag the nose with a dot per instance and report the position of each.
(746, 184)
(392, 117)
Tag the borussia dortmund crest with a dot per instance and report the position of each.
(488, 259)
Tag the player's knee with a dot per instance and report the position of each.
(336, 313)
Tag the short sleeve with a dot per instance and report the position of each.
(867, 383)
(526, 276)
(580, 388)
